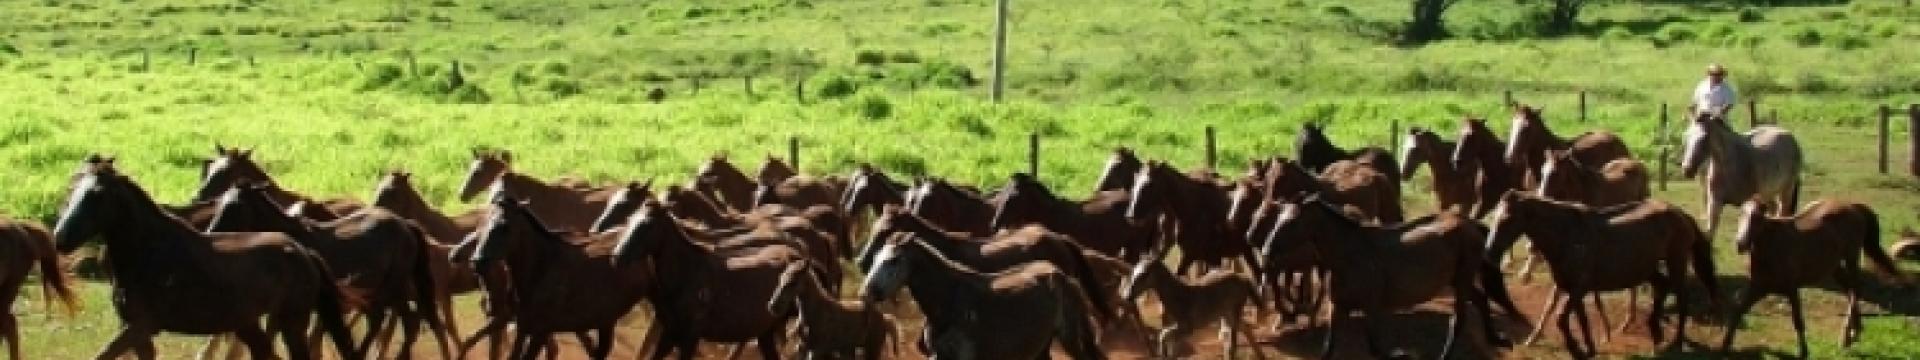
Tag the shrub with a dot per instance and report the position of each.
(869, 57)
(1337, 10)
(1675, 33)
(873, 106)
(1807, 36)
(833, 85)
(6, 48)
(1617, 33)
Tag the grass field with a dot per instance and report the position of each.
(331, 93)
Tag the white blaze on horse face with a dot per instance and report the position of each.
(1513, 134)
(217, 166)
(1546, 172)
(1749, 213)
(1406, 148)
(1140, 181)
(78, 194)
(1695, 146)
(1112, 162)
(1131, 287)
(886, 275)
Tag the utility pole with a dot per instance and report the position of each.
(999, 50)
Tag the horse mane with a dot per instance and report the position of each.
(141, 197)
(941, 258)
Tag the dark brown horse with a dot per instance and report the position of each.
(719, 180)
(952, 207)
(397, 194)
(373, 253)
(1004, 250)
(621, 204)
(870, 189)
(1379, 270)
(24, 246)
(1824, 241)
(1100, 222)
(560, 282)
(690, 278)
(1016, 313)
(1316, 153)
(1619, 181)
(1118, 174)
(235, 166)
(1452, 183)
(1478, 148)
(775, 171)
(1531, 138)
(1611, 249)
(1196, 208)
(1344, 182)
(170, 277)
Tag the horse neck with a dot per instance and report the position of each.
(411, 206)
(697, 208)
(812, 298)
(160, 243)
(1165, 284)
(541, 194)
(679, 258)
(1556, 230)
(941, 269)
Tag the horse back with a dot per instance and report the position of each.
(1598, 147)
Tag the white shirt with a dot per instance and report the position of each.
(1717, 99)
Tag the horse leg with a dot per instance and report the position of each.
(1565, 321)
(1633, 298)
(409, 327)
(770, 345)
(1333, 330)
(144, 350)
(1546, 312)
(1163, 343)
(206, 350)
(10, 330)
(1737, 318)
(1453, 322)
(258, 345)
(1799, 321)
(1677, 285)
(1713, 216)
(1606, 322)
(1369, 326)
(1578, 305)
(493, 326)
(376, 317)
(1849, 279)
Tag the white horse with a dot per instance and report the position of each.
(1763, 166)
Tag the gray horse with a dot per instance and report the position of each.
(1763, 166)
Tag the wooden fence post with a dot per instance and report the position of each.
(1212, 151)
(1913, 139)
(1508, 96)
(800, 89)
(193, 55)
(1753, 113)
(1886, 118)
(793, 153)
(747, 82)
(146, 60)
(1394, 127)
(1033, 155)
(696, 83)
(999, 50)
(1665, 145)
(1583, 106)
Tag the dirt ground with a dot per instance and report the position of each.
(1418, 333)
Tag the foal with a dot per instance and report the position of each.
(1188, 305)
(831, 328)
(1788, 253)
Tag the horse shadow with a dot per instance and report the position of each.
(1416, 334)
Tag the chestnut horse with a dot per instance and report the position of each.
(1478, 148)
(1196, 208)
(1118, 174)
(690, 276)
(24, 246)
(1346, 182)
(870, 189)
(1611, 249)
(1012, 314)
(235, 166)
(1218, 297)
(170, 277)
(374, 254)
(831, 326)
(1380, 270)
(560, 282)
(1316, 153)
(566, 205)
(1530, 138)
(1824, 241)
(1003, 250)
(1452, 183)
(1100, 223)
(1620, 181)
(952, 207)
(719, 180)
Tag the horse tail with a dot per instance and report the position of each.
(54, 283)
(1088, 281)
(1079, 339)
(1881, 262)
(426, 293)
(1703, 268)
(330, 304)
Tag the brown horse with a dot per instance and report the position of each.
(832, 328)
(396, 194)
(1611, 249)
(560, 282)
(170, 277)
(870, 189)
(1824, 241)
(1100, 222)
(235, 166)
(1196, 208)
(24, 246)
(1218, 297)
(1452, 183)
(373, 253)
(1619, 181)
(567, 205)
(1118, 174)
(719, 180)
(1292, 274)
(1478, 148)
(1316, 153)
(952, 207)
(708, 293)
(1012, 314)
(621, 204)
(1003, 250)
(1379, 270)
(775, 171)
(1345, 182)
(1530, 138)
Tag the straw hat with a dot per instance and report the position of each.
(1716, 69)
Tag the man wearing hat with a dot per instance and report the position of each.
(1714, 95)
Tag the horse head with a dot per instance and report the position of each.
(486, 168)
(232, 167)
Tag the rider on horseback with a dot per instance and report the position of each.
(1714, 95)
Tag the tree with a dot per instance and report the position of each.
(1565, 15)
(1426, 24)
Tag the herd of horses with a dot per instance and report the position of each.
(1014, 272)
